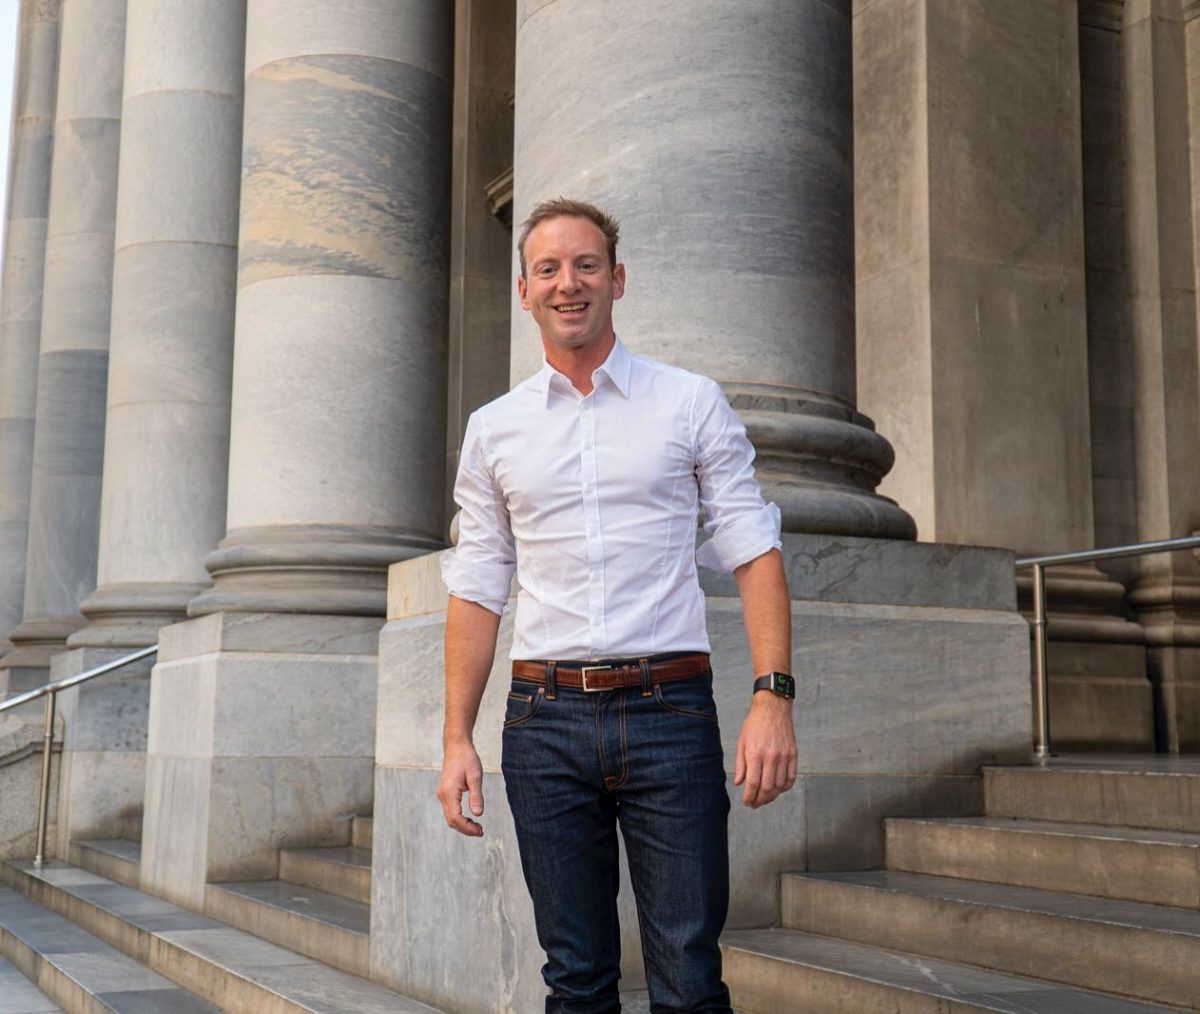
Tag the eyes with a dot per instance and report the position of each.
(586, 266)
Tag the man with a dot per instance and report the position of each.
(587, 480)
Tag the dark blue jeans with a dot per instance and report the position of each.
(575, 768)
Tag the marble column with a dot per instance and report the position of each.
(1162, 272)
(68, 445)
(21, 290)
(735, 186)
(174, 282)
(338, 420)
(261, 724)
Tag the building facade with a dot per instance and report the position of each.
(940, 254)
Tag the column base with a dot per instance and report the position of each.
(320, 569)
(262, 733)
(103, 745)
(820, 462)
(1168, 604)
(38, 640)
(912, 670)
(131, 615)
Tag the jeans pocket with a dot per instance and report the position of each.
(522, 706)
(691, 697)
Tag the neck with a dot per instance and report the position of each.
(577, 365)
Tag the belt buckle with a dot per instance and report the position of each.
(583, 675)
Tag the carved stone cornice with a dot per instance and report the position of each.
(1105, 14)
(1191, 9)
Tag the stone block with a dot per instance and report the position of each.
(414, 33)
(104, 743)
(180, 196)
(91, 61)
(845, 813)
(186, 45)
(80, 147)
(254, 745)
(282, 461)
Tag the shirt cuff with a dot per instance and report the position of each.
(741, 540)
(488, 584)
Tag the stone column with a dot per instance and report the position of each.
(170, 359)
(1162, 272)
(338, 428)
(337, 439)
(736, 189)
(21, 290)
(174, 281)
(68, 444)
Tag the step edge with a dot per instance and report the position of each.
(1066, 895)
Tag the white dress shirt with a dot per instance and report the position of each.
(593, 501)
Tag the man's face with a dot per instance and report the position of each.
(570, 287)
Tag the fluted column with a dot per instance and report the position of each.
(174, 283)
(68, 441)
(338, 418)
(21, 290)
(736, 189)
(1162, 272)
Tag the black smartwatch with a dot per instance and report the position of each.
(778, 683)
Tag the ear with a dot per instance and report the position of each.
(618, 281)
(523, 291)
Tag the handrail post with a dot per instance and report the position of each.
(1041, 690)
(44, 796)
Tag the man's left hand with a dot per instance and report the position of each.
(766, 750)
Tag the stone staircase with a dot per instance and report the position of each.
(1079, 891)
(92, 942)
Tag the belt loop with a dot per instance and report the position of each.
(647, 684)
(551, 681)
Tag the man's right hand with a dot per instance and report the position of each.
(461, 772)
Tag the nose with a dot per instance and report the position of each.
(568, 280)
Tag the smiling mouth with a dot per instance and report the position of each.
(571, 308)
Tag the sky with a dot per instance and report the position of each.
(9, 9)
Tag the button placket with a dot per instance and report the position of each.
(590, 498)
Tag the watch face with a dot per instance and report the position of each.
(783, 684)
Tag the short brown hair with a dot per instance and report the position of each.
(563, 207)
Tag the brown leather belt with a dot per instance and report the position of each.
(589, 676)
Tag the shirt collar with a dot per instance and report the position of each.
(616, 368)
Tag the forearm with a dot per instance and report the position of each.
(470, 648)
(767, 612)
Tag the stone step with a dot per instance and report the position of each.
(115, 858)
(1131, 949)
(20, 996)
(362, 832)
(1159, 867)
(782, 971)
(343, 871)
(1148, 792)
(225, 966)
(326, 926)
(76, 969)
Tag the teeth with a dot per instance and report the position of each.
(570, 308)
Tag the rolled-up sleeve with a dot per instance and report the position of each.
(742, 527)
(481, 566)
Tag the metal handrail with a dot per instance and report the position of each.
(50, 691)
(1041, 690)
